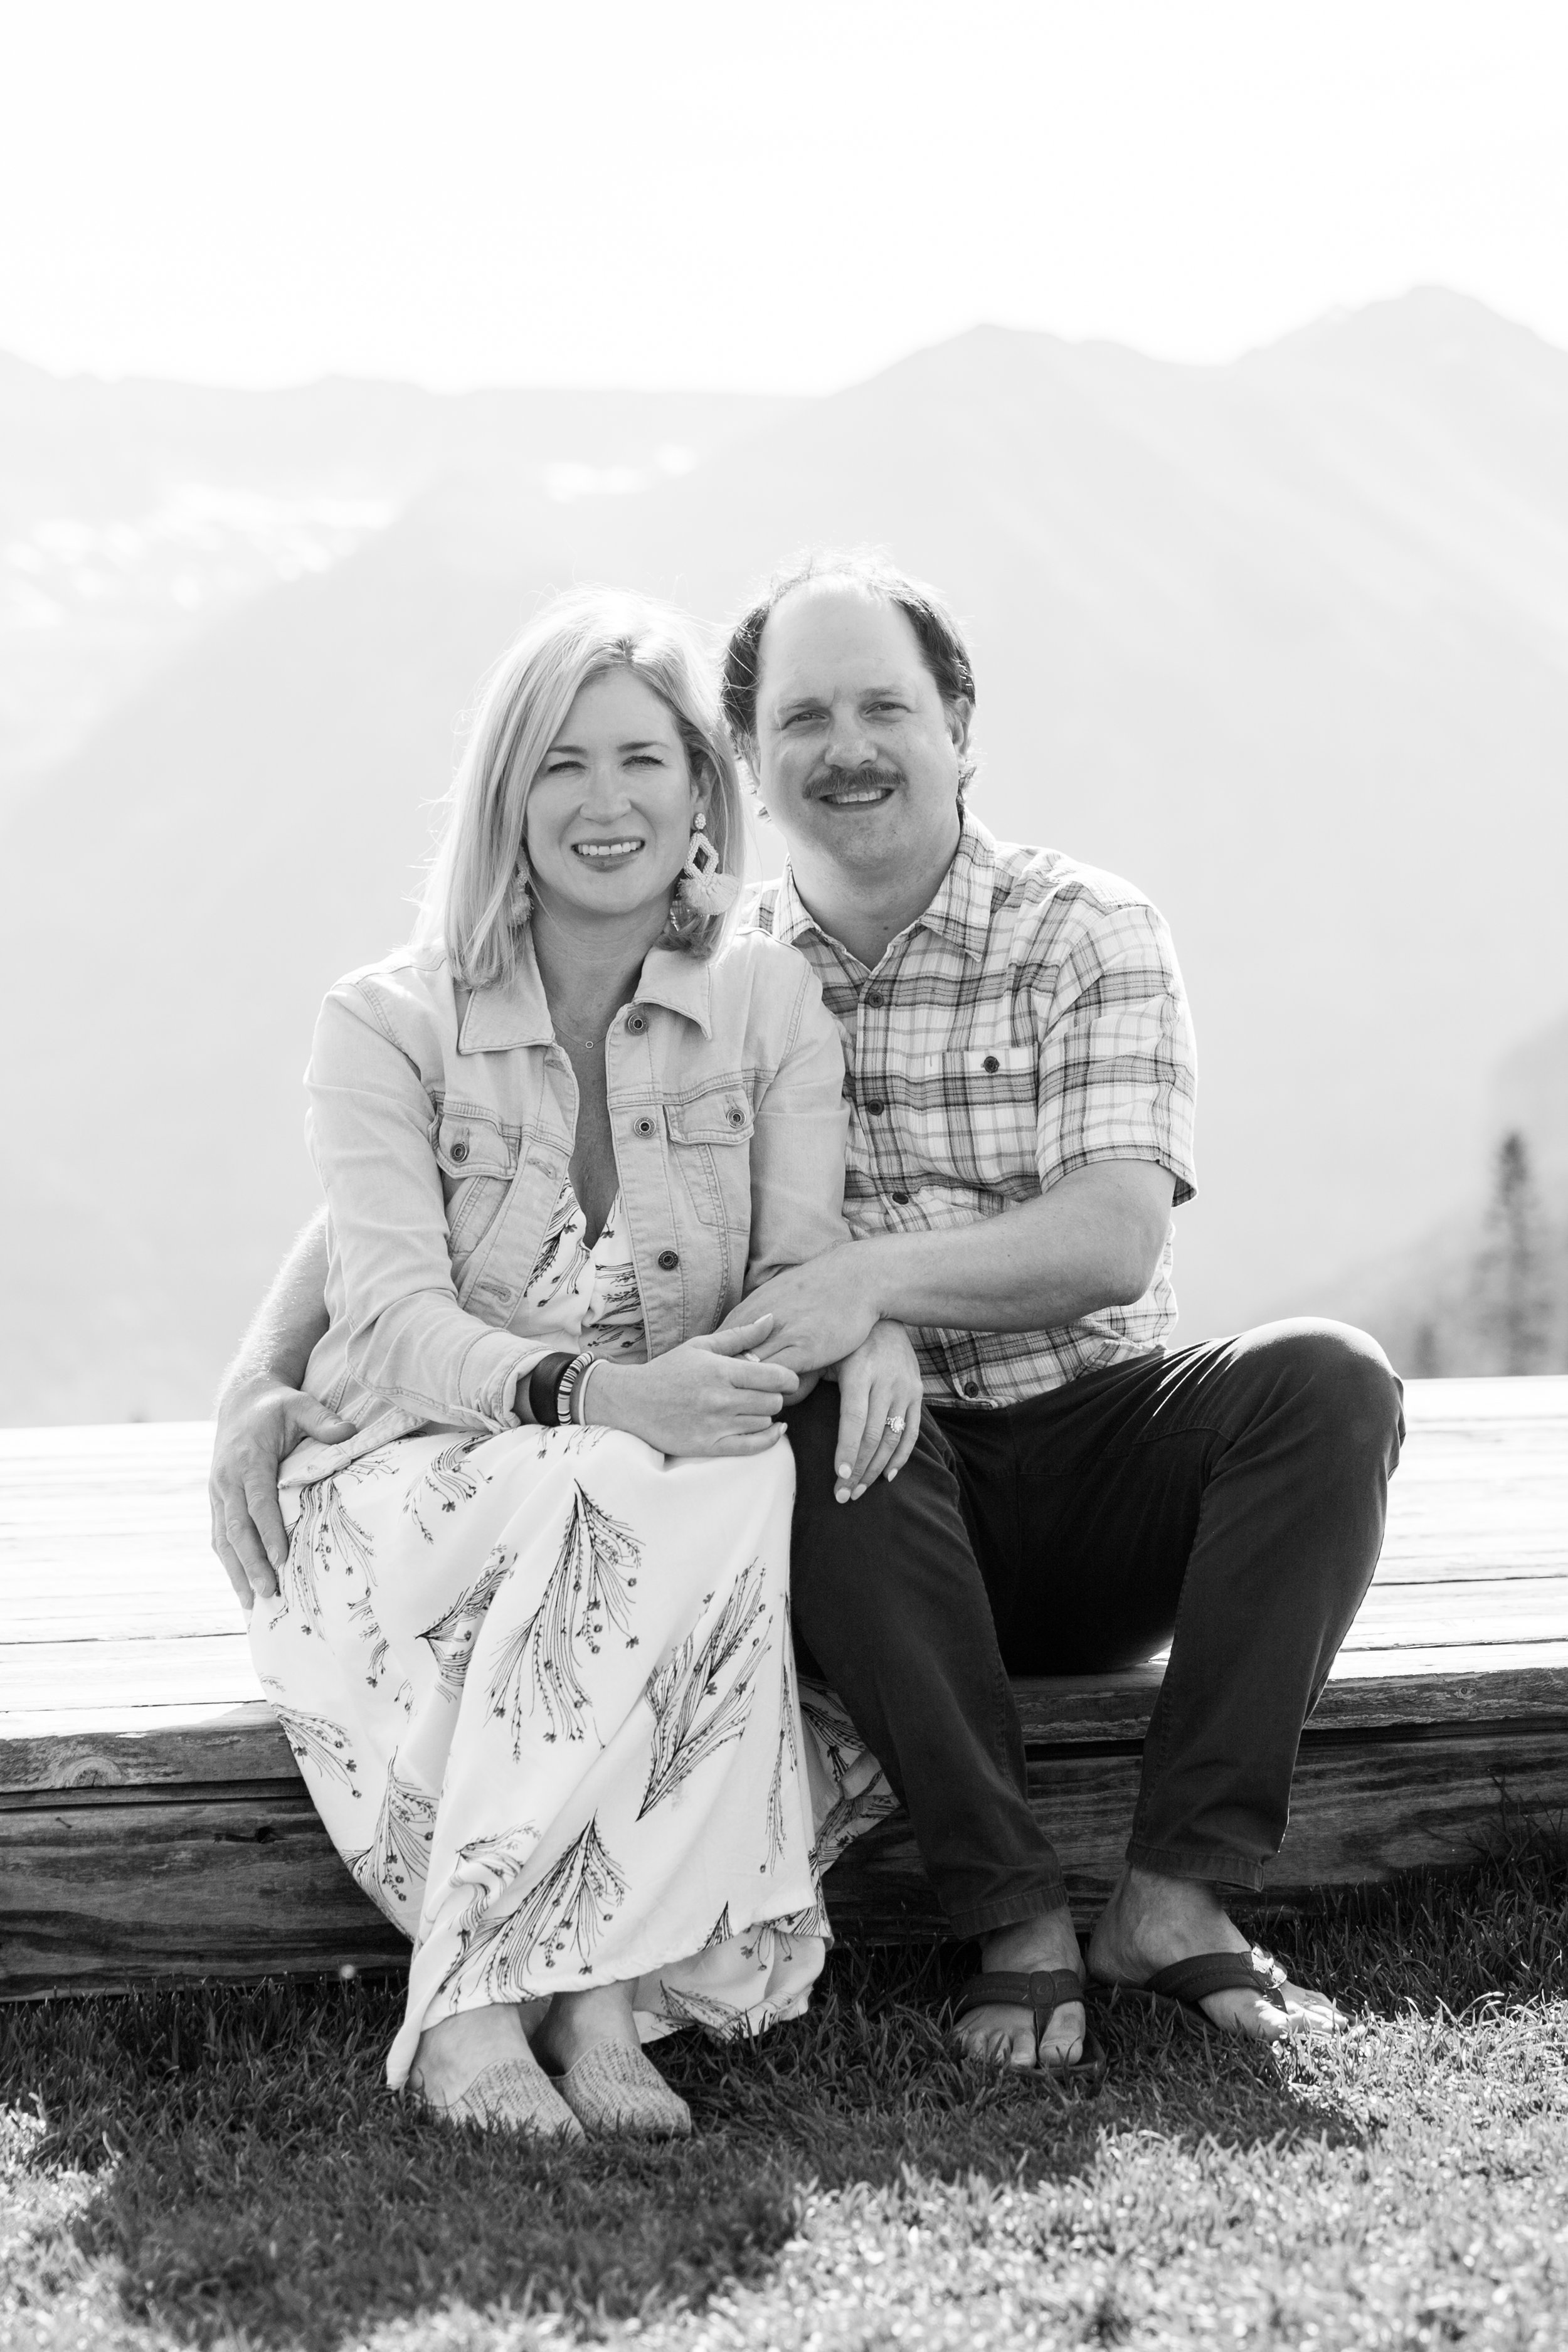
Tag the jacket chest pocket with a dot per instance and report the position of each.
(710, 1154)
(477, 1161)
(976, 1112)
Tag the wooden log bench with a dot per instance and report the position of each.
(154, 1822)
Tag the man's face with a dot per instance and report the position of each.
(856, 755)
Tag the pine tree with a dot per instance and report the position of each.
(1510, 1273)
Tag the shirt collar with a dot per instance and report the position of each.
(514, 1012)
(960, 912)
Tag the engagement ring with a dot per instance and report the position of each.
(896, 1423)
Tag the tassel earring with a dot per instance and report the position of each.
(703, 884)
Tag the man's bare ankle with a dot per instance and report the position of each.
(1047, 1941)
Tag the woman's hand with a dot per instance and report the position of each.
(879, 1386)
(704, 1397)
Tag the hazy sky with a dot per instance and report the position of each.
(708, 192)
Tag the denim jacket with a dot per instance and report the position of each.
(442, 1120)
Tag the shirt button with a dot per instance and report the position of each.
(874, 998)
(668, 1260)
(459, 1151)
(991, 1065)
(637, 1023)
(902, 1199)
(642, 1126)
(875, 1109)
(971, 1388)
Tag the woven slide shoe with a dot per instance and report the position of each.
(1043, 1991)
(511, 2095)
(612, 2089)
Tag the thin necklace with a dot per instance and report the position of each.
(590, 1044)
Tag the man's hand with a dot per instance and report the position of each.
(879, 1384)
(821, 1311)
(259, 1421)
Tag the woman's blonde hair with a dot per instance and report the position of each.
(475, 900)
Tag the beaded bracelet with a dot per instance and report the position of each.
(569, 1380)
(580, 1393)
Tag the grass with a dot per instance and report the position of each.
(222, 2166)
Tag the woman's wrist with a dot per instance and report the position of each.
(611, 1402)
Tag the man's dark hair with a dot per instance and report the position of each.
(943, 651)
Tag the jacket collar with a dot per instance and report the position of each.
(514, 1012)
(960, 912)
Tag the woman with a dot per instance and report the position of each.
(532, 1645)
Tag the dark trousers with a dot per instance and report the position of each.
(1228, 1500)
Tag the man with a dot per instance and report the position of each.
(1021, 1080)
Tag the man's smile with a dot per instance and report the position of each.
(856, 791)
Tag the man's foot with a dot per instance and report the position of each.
(1151, 1921)
(478, 2067)
(1004, 2033)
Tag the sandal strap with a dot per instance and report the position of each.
(1211, 1972)
(1043, 1990)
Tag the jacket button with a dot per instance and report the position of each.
(875, 1109)
(459, 1151)
(991, 1065)
(642, 1126)
(669, 1261)
(736, 1115)
(637, 1023)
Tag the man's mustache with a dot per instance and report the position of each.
(835, 780)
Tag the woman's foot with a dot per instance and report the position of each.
(605, 2078)
(478, 2067)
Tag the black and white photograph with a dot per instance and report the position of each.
(783, 1230)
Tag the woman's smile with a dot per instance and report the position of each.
(609, 853)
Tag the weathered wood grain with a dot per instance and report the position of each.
(1359, 1814)
(123, 1890)
(242, 1886)
(170, 1746)
(83, 1679)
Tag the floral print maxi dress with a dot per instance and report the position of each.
(541, 1689)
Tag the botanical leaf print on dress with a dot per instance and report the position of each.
(448, 1482)
(325, 1536)
(696, 1712)
(319, 1742)
(452, 1637)
(588, 1590)
(546, 1813)
(393, 1866)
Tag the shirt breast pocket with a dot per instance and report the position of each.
(477, 1161)
(979, 1109)
(710, 1152)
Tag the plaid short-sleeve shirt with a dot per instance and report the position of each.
(1031, 1022)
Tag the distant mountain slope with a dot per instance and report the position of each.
(131, 513)
(1287, 642)
(1486, 1291)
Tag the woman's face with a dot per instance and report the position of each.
(609, 813)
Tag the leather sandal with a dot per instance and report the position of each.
(1188, 1983)
(1043, 1991)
